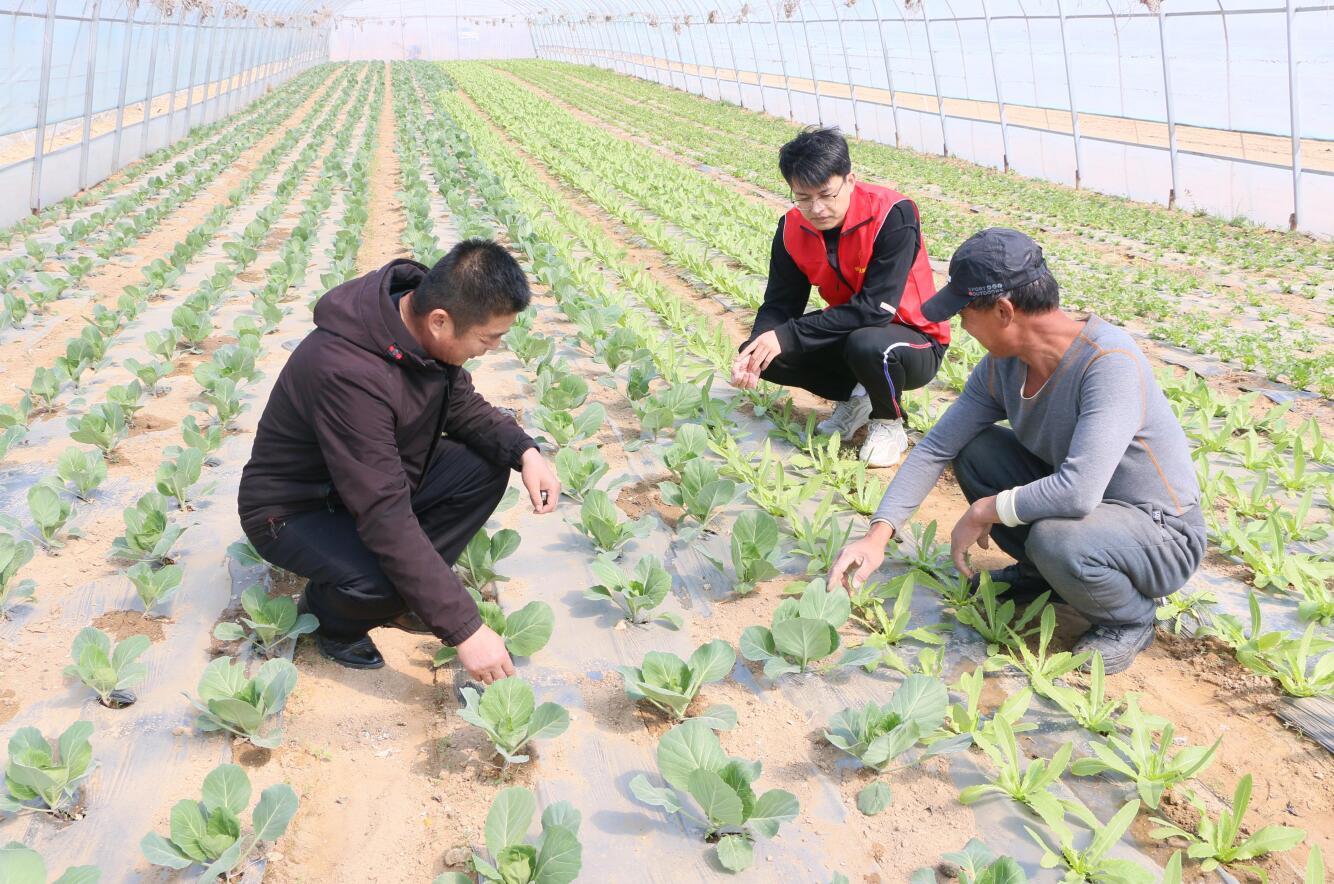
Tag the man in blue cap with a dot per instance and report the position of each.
(1090, 488)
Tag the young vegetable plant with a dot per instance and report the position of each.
(994, 620)
(671, 684)
(154, 585)
(690, 444)
(564, 427)
(1090, 709)
(691, 760)
(178, 475)
(525, 631)
(23, 865)
(637, 594)
(1187, 610)
(803, 633)
(109, 672)
(579, 470)
(1153, 768)
(224, 402)
(192, 327)
(14, 554)
(148, 535)
(39, 772)
(208, 832)
(755, 550)
(555, 858)
(965, 723)
(889, 629)
(268, 622)
(50, 510)
(82, 469)
(1041, 667)
(150, 374)
(1288, 662)
(701, 492)
(1029, 785)
(922, 552)
(104, 426)
(507, 715)
(231, 701)
(477, 563)
(600, 521)
(1092, 863)
(876, 735)
(977, 864)
(1215, 843)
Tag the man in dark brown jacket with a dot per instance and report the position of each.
(376, 461)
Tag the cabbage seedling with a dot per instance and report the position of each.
(555, 858)
(207, 440)
(83, 469)
(208, 832)
(14, 554)
(150, 374)
(154, 585)
(564, 427)
(507, 715)
(701, 491)
(109, 672)
(600, 521)
(477, 562)
(105, 425)
(271, 621)
(224, 400)
(755, 551)
(50, 511)
(579, 470)
(229, 700)
(148, 535)
(671, 684)
(803, 633)
(1214, 842)
(638, 594)
(1153, 768)
(192, 326)
(691, 760)
(127, 396)
(38, 771)
(178, 475)
(560, 392)
(875, 735)
(525, 631)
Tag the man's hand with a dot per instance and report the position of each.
(974, 526)
(541, 482)
(484, 656)
(859, 559)
(756, 356)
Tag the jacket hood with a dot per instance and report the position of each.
(363, 311)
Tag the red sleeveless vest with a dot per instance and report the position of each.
(867, 212)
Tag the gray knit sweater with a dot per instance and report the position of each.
(1101, 421)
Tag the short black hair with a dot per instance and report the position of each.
(474, 282)
(1042, 295)
(815, 156)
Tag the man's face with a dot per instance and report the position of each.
(991, 326)
(825, 206)
(454, 347)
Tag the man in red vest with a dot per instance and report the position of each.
(861, 245)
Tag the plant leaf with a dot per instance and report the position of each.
(874, 798)
(508, 820)
(735, 852)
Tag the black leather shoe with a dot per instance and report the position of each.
(409, 622)
(357, 654)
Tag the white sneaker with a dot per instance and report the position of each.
(849, 416)
(885, 443)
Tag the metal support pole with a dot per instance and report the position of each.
(810, 59)
(124, 85)
(148, 91)
(1070, 90)
(1167, 96)
(759, 73)
(680, 56)
(175, 81)
(889, 73)
(935, 78)
(90, 79)
(194, 65)
(847, 70)
(43, 97)
(1294, 116)
(694, 53)
(240, 47)
(713, 62)
(782, 62)
(209, 66)
(1000, 97)
(666, 55)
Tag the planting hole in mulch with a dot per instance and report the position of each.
(120, 625)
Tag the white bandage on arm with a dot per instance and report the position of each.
(1005, 509)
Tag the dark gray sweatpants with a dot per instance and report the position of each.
(1110, 565)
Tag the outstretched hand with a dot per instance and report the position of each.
(754, 359)
(540, 481)
(974, 526)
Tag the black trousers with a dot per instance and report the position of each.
(347, 589)
(886, 360)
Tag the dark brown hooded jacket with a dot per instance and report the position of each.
(351, 422)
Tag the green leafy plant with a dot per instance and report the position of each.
(23, 865)
(804, 632)
(671, 684)
(691, 760)
(701, 491)
(82, 469)
(104, 426)
(149, 536)
(231, 701)
(579, 470)
(877, 734)
(179, 473)
(965, 723)
(50, 511)
(268, 622)
(207, 440)
(690, 444)
(565, 427)
(1042, 667)
(39, 772)
(154, 585)
(1029, 785)
(224, 401)
(507, 714)
(150, 374)
(1288, 662)
(888, 629)
(555, 858)
(231, 362)
(127, 396)
(162, 344)
(558, 391)
(1089, 708)
(755, 550)
(109, 671)
(192, 326)
(14, 554)
(1092, 863)
(1183, 610)
(600, 521)
(208, 832)
(525, 631)
(477, 562)
(994, 619)
(1215, 842)
(637, 594)
(977, 864)
(1151, 764)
